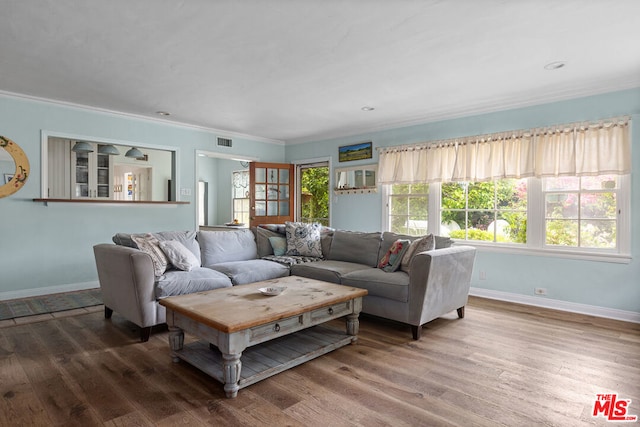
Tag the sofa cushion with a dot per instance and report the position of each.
(391, 261)
(178, 255)
(225, 246)
(149, 244)
(303, 239)
(426, 243)
(178, 282)
(355, 246)
(393, 286)
(187, 238)
(329, 271)
(255, 270)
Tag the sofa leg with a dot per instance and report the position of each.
(461, 312)
(416, 331)
(107, 312)
(145, 333)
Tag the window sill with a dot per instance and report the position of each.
(615, 258)
(109, 202)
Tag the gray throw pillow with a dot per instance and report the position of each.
(426, 243)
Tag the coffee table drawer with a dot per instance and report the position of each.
(274, 329)
(332, 311)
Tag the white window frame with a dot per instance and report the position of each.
(535, 226)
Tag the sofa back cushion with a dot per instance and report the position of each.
(226, 246)
(355, 246)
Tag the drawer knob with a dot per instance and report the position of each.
(330, 310)
(276, 327)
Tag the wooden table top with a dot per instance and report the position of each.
(243, 306)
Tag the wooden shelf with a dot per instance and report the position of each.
(108, 202)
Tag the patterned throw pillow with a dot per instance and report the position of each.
(178, 255)
(391, 260)
(303, 239)
(149, 244)
(426, 243)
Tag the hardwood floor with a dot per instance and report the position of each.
(503, 364)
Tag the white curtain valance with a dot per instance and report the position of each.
(576, 150)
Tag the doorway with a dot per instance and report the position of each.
(314, 192)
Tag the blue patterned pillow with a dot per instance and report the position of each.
(303, 239)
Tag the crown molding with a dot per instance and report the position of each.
(218, 132)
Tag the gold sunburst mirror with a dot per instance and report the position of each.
(16, 180)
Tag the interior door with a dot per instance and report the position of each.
(271, 195)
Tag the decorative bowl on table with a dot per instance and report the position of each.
(272, 290)
(234, 224)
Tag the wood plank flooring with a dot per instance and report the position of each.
(503, 364)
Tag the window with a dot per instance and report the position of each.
(581, 212)
(575, 215)
(494, 211)
(408, 209)
(240, 196)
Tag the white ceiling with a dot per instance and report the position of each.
(301, 70)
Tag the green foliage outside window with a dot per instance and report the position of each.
(489, 211)
(315, 195)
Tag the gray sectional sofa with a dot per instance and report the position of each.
(434, 283)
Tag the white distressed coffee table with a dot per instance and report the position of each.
(247, 336)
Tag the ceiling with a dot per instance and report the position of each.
(296, 71)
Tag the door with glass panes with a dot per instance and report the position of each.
(271, 196)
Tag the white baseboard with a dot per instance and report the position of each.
(26, 293)
(572, 307)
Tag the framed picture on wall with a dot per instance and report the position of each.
(360, 151)
(7, 177)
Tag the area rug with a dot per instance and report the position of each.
(49, 303)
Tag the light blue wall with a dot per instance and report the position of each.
(51, 246)
(599, 284)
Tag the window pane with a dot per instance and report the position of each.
(561, 183)
(598, 205)
(261, 208)
(272, 193)
(512, 194)
(399, 206)
(284, 176)
(481, 195)
(598, 234)
(272, 208)
(453, 196)
(562, 232)
(515, 229)
(561, 205)
(602, 182)
(261, 175)
(260, 191)
(399, 224)
(400, 189)
(284, 208)
(284, 192)
(272, 175)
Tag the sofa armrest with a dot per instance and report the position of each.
(127, 283)
(439, 282)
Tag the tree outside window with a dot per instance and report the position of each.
(493, 211)
(314, 197)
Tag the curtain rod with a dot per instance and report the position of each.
(545, 130)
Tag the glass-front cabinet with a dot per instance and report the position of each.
(93, 177)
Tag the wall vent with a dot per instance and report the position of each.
(224, 142)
